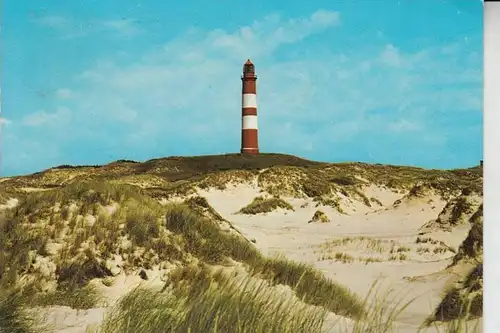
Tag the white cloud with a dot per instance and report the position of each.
(190, 90)
(64, 93)
(403, 125)
(124, 27)
(391, 56)
(4, 121)
(53, 21)
(42, 118)
(261, 37)
(72, 28)
(325, 18)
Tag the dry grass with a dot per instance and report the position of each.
(423, 249)
(331, 202)
(425, 240)
(14, 317)
(384, 307)
(86, 297)
(209, 302)
(347, 258)
(220, 180)
(343, 257)
(319, 216)
(335, 250)
(311, 286)
(460, 208)
(472, 247)
(72, 194)
(398, 257)
(17, 244)
(370, 260)
(136, 218)
(203, 300)
(200, 299)
(265, 205)
(399, 249)
(359, 242)
(464, 300)
(204, 239)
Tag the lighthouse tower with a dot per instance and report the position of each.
(249, 131)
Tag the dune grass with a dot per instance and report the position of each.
(265, 205)
(142, 219)
(224, 303)
(14, 317)
(464, 300)
(205, 240)
(213, 302)
(79, 298)
(319, 216)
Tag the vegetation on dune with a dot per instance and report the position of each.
(221, 179)
(186, 167)
(78, 298)
(202, 207)
(463, 301)
(7, 191)
(461, 207)
(319, 216)
(16, 244)
(472, 246)
(204, 239)
(91, 222)
(311, 286)
(208, 300)
(213, 302)
(377, 201)
(277, 174)
(14, 317)
(85, 217)
(265, 205)
(331, 202)
(459, 210)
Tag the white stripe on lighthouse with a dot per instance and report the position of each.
(249, 122)
(249, 100)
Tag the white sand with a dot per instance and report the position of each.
(63, 319)
(289, 233)
(419, 275)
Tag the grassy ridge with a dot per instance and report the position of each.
(314, 178)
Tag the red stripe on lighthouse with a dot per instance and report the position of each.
(249, 125)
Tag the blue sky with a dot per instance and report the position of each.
(379, 81)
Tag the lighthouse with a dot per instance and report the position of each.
(249, 130)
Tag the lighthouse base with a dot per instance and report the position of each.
(251, 151)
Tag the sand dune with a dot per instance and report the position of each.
(288, 233)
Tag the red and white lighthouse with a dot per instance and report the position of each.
(249, 129)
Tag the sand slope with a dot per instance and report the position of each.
(418, 274)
